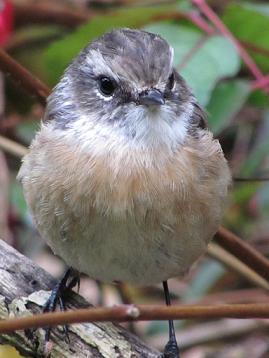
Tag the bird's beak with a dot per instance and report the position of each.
(151, 97)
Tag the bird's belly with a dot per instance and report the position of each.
(113, 250)
(137, 217)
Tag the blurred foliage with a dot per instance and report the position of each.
(260, 149)
(60, 54)
(217, 75)
(227, 99)
(193, 52)
(249, 22)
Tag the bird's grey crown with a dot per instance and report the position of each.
(143, 55)
(137, 59)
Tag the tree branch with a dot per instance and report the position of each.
(23, 77)
(233, 263)
(42, 13)
(210, 14)
(247, 180)
(243, 251)
(22, 293)
(20, 278)
(12, 147)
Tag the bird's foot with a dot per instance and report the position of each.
(58, 296)
(171, 350)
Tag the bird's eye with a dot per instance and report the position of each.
(171, 81)
(107, 86)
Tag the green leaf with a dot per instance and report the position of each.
(248, 23)
(185, 5)
(243, 192)
(206, 65)
(27, 131)
(60, 53)
(209, 273)
(17, 199)
(263, 198)
(31, 56)
(261, 8)
(207, 60)
(227, 99)
(259, 99)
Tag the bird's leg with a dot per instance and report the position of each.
(57, 297)
(171, 349)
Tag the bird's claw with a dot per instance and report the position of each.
(57, 297)
(171, 350)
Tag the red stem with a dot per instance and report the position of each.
(260, 83)
(209, 13)
(200, 23)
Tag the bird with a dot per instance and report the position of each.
(124, 179)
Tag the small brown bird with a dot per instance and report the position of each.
(124, 180)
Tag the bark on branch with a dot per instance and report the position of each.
(22, 286)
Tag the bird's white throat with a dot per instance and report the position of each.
(142, 128)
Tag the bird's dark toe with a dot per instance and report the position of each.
(171, 350)
(58, 297)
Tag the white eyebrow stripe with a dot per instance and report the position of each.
(171, 57)
(97, 63)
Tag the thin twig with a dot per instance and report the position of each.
(216, 331)
(134, 3)
(124, 294)
(191, 16)
(249, 295)
(243, 251)
(43, 13)
(127, 300)
(124, 313)
(12, 147)
(260, 83)
(63, 15)
(200, 23)
(30, 41)
(243, 180)
(197, 46)
(66, 16)
(29, 82)
(4, 200)
(212, 16)
(232, 262)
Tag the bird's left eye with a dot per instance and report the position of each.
(171, 81)
(107, 86)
